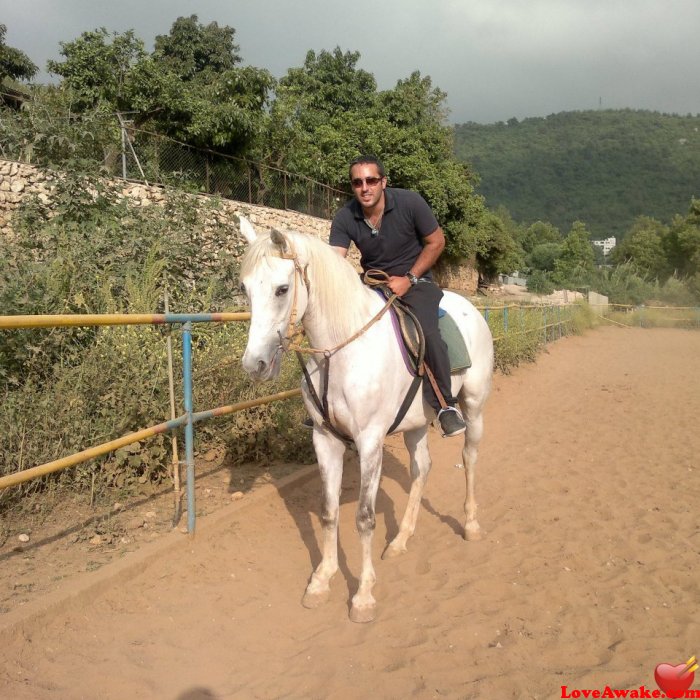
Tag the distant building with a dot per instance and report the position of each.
(607, 244)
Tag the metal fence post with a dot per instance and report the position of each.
(559, 320)
(189, 425)
(505, 320)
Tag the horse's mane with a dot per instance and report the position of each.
(336, 293)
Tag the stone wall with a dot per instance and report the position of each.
(19, 180)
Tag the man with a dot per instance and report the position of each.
(396, 231)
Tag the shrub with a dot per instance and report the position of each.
(66, 389)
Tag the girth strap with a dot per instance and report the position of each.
(322, 403)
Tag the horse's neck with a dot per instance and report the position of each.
(320, 332)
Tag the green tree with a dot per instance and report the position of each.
(14, 64)
(576, 264)
(540, 282)
(644, 245)
(323, 115)
(538, 233)
(498, 252)
(544, 256)
(97, 66)
(605, 167)
(192, 50)
(190, 87)
(329, 111)
(683, 247)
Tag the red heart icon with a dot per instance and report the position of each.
(673, 680)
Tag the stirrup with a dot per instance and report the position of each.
(451, 422)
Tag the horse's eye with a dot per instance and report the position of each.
(281, 291)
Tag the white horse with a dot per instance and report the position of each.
(293, 278)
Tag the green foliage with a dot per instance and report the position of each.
(683, 243)
(192, 49)
(329, 111)
(625, 284)
(575, 264)
(14, 64)
(544, 256)
(520, 331)
(97, 67)
(189, 87)
(72, 388)
(644, 244)
(498, 252)
(540, 282)
(675, 291)
(539, 233)
(47, 131)
(605, 167)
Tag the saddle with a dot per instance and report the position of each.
(412, 342)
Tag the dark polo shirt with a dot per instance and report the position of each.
(407, 219)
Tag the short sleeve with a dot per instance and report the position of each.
(340, 235)
(425, 220)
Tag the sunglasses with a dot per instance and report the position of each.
(371, 181)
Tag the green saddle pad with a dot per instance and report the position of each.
(456, 347)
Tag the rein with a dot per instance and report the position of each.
(371, 278)
(288, 342)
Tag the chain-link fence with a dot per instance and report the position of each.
(157, 159)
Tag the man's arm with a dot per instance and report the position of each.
(433, 245)
(343, 252)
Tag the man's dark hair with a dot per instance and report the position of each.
(365, 160)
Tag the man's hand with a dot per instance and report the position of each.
(399, 285)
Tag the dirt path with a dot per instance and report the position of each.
(586, 576)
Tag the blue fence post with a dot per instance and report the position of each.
(189, 425)
(505, 320)
(486, 313)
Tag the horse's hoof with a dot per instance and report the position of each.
(312, 599)
(393, 551)
(362, 614)
(472, 533)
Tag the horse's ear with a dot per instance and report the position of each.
(277, 237)
(247, 229)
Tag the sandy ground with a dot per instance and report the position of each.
(586, 576)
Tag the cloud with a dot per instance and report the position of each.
(494, 58)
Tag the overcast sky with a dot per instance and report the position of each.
(495, 59)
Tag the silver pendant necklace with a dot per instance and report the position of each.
(376, 227)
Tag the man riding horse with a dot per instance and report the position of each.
(396, 232)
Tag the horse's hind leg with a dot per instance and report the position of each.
(417, 444)
(329, 452)
(472, 438)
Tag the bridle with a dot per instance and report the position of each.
(287, 342)
(292, 336)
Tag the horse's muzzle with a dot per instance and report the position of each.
(259, 369)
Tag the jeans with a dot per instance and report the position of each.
(423, 299)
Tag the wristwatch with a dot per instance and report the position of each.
(412, 278)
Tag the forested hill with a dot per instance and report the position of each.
(601, 167)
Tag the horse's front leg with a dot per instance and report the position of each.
(329, 452)
(416, 442)
(363, 602)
